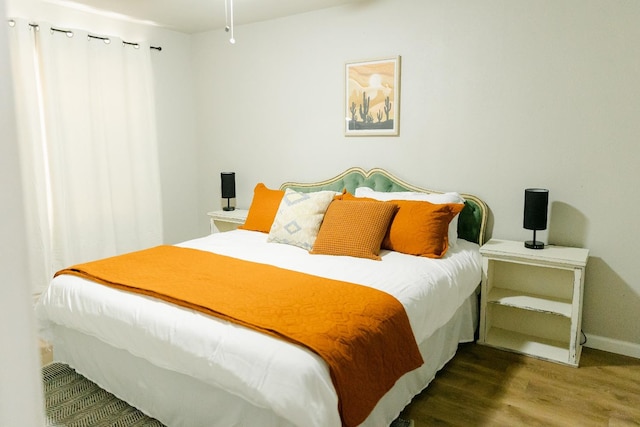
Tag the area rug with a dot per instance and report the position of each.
(73, 401)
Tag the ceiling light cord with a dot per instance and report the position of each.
(228, 15)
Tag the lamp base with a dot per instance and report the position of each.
(232, 208)
(534, 244)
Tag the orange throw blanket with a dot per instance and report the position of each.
(363, 334)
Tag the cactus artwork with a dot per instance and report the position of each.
(387, 107)
(364, 107)
(353, 111)
(372, 97)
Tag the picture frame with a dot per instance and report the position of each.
(372, 97)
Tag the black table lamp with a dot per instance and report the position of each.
(228, 188)
(536, 201)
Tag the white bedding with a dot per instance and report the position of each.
(286, 379)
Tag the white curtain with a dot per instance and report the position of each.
(89, 149)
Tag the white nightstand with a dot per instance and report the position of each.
(227, 220)
(531, 300)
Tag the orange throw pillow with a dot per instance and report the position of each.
(263, 209)
(421, 228)
(354, 228)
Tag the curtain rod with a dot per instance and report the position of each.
(69, 33)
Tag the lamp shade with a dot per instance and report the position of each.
(228, 185)
(536, 201)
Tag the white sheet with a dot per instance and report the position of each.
(287, 379)
(180, 400)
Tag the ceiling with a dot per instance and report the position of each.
(193, 16)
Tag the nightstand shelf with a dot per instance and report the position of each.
(220, 221)
(529, 344)
(531, 300)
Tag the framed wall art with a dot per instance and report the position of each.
(372, 97)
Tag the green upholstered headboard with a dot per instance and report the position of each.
(471, 223)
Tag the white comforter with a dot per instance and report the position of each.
(288, 379)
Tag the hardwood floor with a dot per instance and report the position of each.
(483, 386)
(46, 352)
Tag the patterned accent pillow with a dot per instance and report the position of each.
(354, 228)
(299, 217)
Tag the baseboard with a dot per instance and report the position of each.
(613, 346)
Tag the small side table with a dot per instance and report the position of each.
(531, 300)
(221, 221)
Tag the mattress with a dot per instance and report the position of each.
(287, 381)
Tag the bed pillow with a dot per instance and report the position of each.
(436, 198)
(354, 228)
(263, 209)
(299, 216)
(421, 228)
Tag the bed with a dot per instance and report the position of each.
(186, 367)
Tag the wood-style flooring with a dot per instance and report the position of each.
(46, 352)
(483, 386)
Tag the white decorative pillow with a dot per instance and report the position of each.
(435, 198)
(299, 217)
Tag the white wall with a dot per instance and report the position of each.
(174, 101)
(497, 96)
(20, 386)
